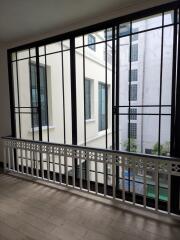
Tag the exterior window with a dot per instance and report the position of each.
(34, 96)
(134, 75)
(133, 130)
(124, 30)
(87, 99)
(91, 40)
(135, 36)
(109, 34)
(102, 106)
(109, 55)
(133, 113)
(133, 92)
(134, 53)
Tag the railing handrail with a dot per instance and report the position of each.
(160, 157)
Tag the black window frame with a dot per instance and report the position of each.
(114, 24)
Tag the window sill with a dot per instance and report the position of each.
(36, 129)
(103, 132)
(90, 120)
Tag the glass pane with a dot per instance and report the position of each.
(167, 66)
(168, 17)
(147, 23)
(54, 47)
(23, 54)
(165, 135)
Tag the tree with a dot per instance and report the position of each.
(164, 149)
(132, 147)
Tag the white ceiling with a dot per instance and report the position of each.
(23, 19)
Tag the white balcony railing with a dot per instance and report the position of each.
(139, 180)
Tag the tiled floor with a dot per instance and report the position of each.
(32, 211)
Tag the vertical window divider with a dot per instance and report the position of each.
(39, 104)
(39, 93)
(12, 104)
(84, 92)
(117, 89)
(47, 105)
(73, 97)
(129, 141)
(177, 112)
(84, 76)
(11, 93)
(160, 95)
(129, 107)
(64, 116)
(30, 81)
(18, 98)
(113, 86)
(117, 103)
(106, 87)
(173, 98)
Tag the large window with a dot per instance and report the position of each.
(133, 106)
(135, 60)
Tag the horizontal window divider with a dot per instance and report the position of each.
(26, 107)
(143, 106)
(141, 114)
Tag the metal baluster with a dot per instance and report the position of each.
(42, 162)
(60, 174)
(48, 163)
(114, 175)
(80, 165)
(96, 174)
(156, 185)
(53, 160)
(145, 166)
(88, 172)
(26, 158)
(66, 166)
(123, 178)
(169, 187)
(105, 177)
(134, 172)
(12, 156)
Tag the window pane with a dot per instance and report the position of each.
(133, 113)
(91, 42)
(134, 75)
(133, 130)
(102, 107)
(147, 23)
(87, 99)
(133, 92)
(134, 53)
